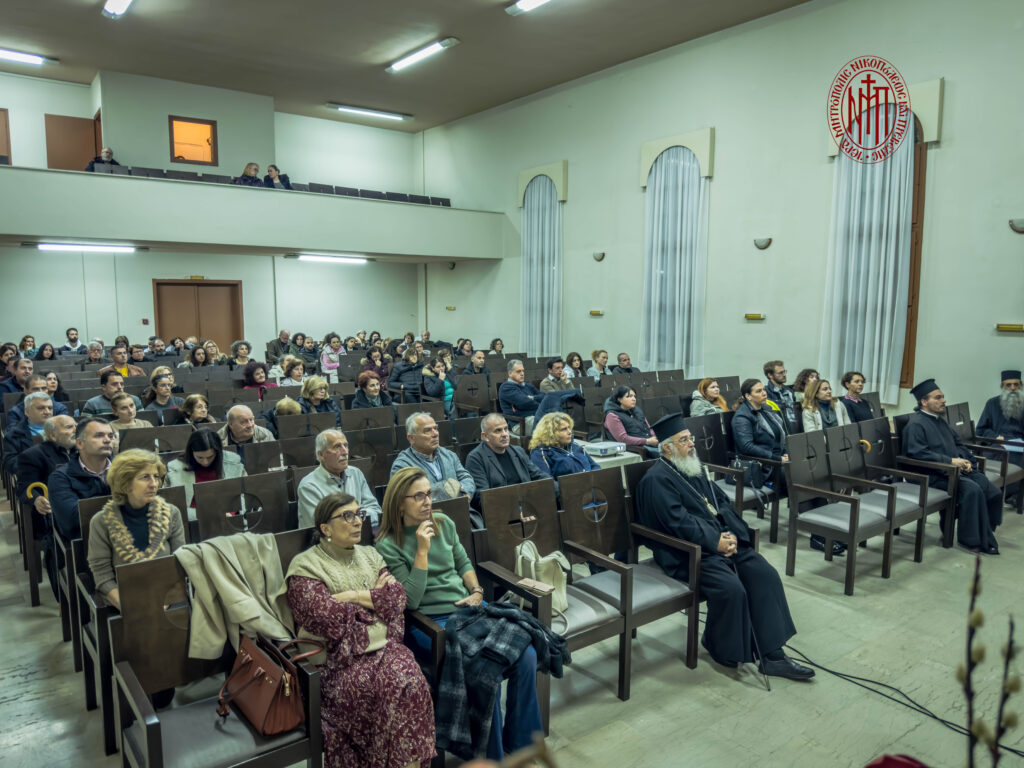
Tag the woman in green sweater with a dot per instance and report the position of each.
(423, 552)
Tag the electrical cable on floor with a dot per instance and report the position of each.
(867, 683)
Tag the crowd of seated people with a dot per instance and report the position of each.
(350, 595)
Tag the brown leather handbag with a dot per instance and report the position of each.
(264, 686)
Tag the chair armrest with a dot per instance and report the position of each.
(769, 462)
(594, 556)
(139, 704)
(815, 491)
(865, 482)
(434, 632)
(691, 549)
(910, 477)
(755, 539)
(540, 603)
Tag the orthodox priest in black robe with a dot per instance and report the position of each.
(1003, 419)
(929, 437)
(748, 616)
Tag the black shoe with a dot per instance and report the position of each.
(818, 543)
(785, 667)
(992, 549)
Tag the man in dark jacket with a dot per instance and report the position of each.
(278, 348)
(496, 463)
(83, 477)
(516, 397)
(476, 365)
(929, 437)
(780, 394)
(38, 408)
(624, 365)
(37, 383)
(21, 372)
(748, 616)
(35, 465)
(106, 156)
(1003, 419)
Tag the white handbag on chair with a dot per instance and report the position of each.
(550, 569)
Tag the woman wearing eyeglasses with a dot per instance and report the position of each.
(423, 551)
(376, 708)
(553, 449)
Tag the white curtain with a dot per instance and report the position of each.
(868, 274)
(675, 264)
(542, 269)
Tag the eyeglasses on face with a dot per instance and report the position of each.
(684, 439)
(350, 517)
(420, 497)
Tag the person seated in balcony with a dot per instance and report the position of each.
(275, 179)
(250, 176)
(105, 157)
(707, 399)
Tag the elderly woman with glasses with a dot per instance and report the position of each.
(376, 705)
(553, 449)
(423, 551)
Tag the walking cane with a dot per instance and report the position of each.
(48, 519)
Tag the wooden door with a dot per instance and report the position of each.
(5, 138)
(70, 142)
(209, 310)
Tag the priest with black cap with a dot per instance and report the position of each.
(928, 437)
(748, 616)
(1003, 419)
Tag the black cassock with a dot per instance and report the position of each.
(744, 592)
(979, 503)
(993, 423)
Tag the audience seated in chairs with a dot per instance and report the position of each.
(707, 399)
(448, 478)
(465, 348)
(240, 353)
(81, 479)
(495, 462)
(105, 157)
(45, 353)
(214, 355)
(283, 407)
(599, 364)
(857, 408)
(275, 179)
(574, 365)
(250, 176)
(557, 378)
(553, 449)
(779, 395)
(624, 365)
(332, 475)
(94, 353)
(379, 363)
(315, 399)
(159, 398)
(820, 410)
(376, 708)
(38, 408)
(123, 407)
(196, 410)
(445, 355)
(370, 393)
(27, 347)
(423, 552)
(1002, 420)
(72, 344)
(307, 352)
(294, 373)
(111, 383)
(438, 384)
(195, 358)
(803, 379)
(475, 365)
(748, 616)
(254, 376)
(627, 424)
(36, 383)
(278, 348)
(20, 370)
(497, 347)
(330, 357)
(204, 459)
(136, 524)
(407, 375)
(516, 397)
(119, 363)
(55, 387)
(165, 370)
(242, 429)
(8, 356)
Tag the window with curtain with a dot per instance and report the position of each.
(869, 260)
(675, 264)
(542, 268)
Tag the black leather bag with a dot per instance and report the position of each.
(754, 475)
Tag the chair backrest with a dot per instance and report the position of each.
(305, 424)
(466, 430)
(635, 473)
(368, 418)
(710, 438)
(323, 189)
(729, 387)
(518, 512)
(159, 439)
(89, 508)
(346, 191)
(808, 461)
(958, 416)
(877, 434)
(458, 510)
(257, 503)
(372, 194)
(11, 399)
(845, 452)
(471, 391)
(153, 417)
(397, 197)
(899, 423)
(798, 419)
(421, 199)
(408, 409)
(875, 402)
(442, 201)
(296, 475)
(594, 510)
(375, 445)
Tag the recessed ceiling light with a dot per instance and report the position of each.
(332, 259)
(363, 112)
(25, 58)
(523, 6)
(86, 248)
(422, 54)
(115, 9)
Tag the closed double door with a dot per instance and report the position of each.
(207, 309)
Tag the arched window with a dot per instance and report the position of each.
(869, 274)
(675, 264)
(542, 268)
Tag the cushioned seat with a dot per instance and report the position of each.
(651, 586)
(879, 500)
(932, 495)
(837, 516)
(763, 493)
(585, 611)
(195, 736)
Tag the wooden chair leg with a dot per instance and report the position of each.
(89, 680)
(625, 663)
(692, 627)
(887, 555)
(828, 549)
(544, 697)
(851, 569)
(791, 547)
(773, 531)
(919, 540)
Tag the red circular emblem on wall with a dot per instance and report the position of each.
(868, 109)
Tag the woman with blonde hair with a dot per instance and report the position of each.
(136, 524)
(820, 409)
(707, 398)
(213, 353)
(600, 367)
(553, 449)
(423, 552)
(315, 398)
(123, 406)
(250, 176)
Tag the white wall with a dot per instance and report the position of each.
(346, 155)
(762, 86)
(104, 295)
(136, 108)
(27, 100)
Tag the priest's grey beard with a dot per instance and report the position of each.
(1012, 403)
(690, 466)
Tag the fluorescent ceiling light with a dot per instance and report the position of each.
(423, 53)
(115, 9)
(25, 58)
(362, 112)
(524, 6)
(328, 259)
(83, 248)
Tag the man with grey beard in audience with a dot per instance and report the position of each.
(1003, 419)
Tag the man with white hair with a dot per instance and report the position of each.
(38, 408)
(334, 475)
(94, 352)
(242, 430)
(1003, 419)
(748, 617)
(448, 478)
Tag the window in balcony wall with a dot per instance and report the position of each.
(193, 140)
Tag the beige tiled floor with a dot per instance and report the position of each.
(907, 631)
